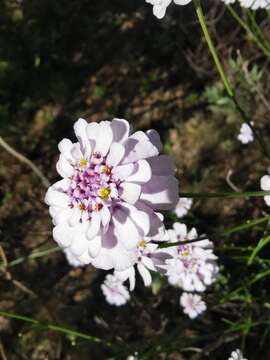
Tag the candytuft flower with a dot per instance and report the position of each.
(192, 304)
(193, 266)
(114, 291)
(149, 258)
(237, 355)
(112, 184)
(246, 134)
(71, 259)
(160, 6)
(182, 207)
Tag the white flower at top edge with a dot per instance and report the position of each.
(192, 304)
(255, 4)
(160, 6)
(193, 266)
(182, 207)
(149, 258)
(246, 134)
(114, 291)
(113, 182)
(265, 186)
(237, 355)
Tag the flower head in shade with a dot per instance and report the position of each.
(246, 134)
(192, 304)
(182, 207)
(113, 182)
(193, 266)
(114, 291)
(265, 186)
(149, 258)
(160, 6)
(237, 355)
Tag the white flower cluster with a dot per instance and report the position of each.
(251, 4)
(245, 135)
(182, 207)
(237, 355)
(265, 186)
(189, 266)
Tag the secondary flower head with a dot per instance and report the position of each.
(193, 266)
(246, 134)
(114, 291)
(182, 207)
(265, 186)
(237, 355)
(160, 6)
(192, 304)
(112, 184)
(149, 258)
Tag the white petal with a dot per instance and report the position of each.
(120, 128)
(140, 218)
(125, 229)
(145, 274)
(162, 165)
(105, 215)
(63, 235)
(130, 192)
(56, 198)
(65, 147)
(94, 225)
(115, 155)
(75, 216)
(79, 245)
(80, 128)
(154, 137)
(123, 171)
(94, 246)
(104, 139)
(265, 183)
(63, 167)
(103, 260)
(142, 172)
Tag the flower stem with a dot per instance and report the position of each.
(228, 88)
(227, 195)
(248, 224)
(53, 327)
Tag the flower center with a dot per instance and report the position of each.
(92, 185)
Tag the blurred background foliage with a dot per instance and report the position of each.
(63, 59)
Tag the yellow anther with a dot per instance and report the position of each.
(104, 193)
(143, 244)
(83, 162)
(186, 253)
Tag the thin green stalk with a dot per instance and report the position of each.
(247, 225)
(56, 328)
(248, 30)
(258, 30)
(225, 195)
(224, 79)
(32, 256)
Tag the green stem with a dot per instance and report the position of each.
(211, 46)
(224, 79)
(227, 232)
(53, 327)
(248, 30)
(225, 195)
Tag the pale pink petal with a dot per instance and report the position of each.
(115, 155)
(123, 171)
(130, 192)
(79, 245)
(94, 246)
(104, 139)
(56, 198)
(160, 192)
(141, 173)
(120, 128)
(65, 147)
(63, 167)
(63, 235)
(80, 127)
(94, 225)
(145, 274)
(162, 165)
(154, 138)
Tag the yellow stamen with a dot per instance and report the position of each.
(104, 193)
(107, 170)
(143, 244)
(83, 162)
